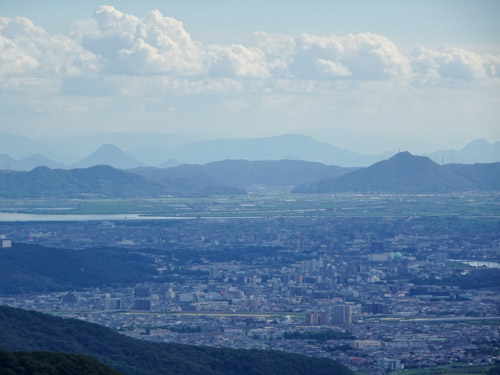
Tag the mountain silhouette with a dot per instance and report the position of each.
(402, 173)
(108, 155)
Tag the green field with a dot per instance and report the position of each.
(339, 205)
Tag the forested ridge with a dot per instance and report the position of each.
(50, 363)
(22, 330)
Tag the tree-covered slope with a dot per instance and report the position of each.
(102, 181)
(49, 363)
(33, 331)
(32, 268)
(484, 176)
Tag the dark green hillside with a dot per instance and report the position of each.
(33, 268)
(48, 363)
(103, 181)
(403, 173)
(100, 180)
(484, 176)
(33, 331)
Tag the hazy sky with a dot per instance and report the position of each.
(425, 73)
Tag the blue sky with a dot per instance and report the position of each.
(424, 73)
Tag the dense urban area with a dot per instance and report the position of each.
(379, 283)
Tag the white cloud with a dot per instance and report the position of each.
(26, 49)
(150, 45)
(112, 53)
(491, 64)
(373, 57)
(237, 61)
(279, 50)
(449, 64)
(332, 68)
(363, 56)
(157, 44)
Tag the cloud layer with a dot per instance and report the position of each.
(116, 71)
(113, 43)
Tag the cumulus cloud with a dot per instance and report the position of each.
(332, 68)
(278, 49)
(491, 65)
(449, 65)
(26, 49)
(158, 44)
(373, 56)
(150, 45)
(110, 44)
(448, 62)
(363, 56)
(237, 60)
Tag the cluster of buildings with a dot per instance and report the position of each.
(375, 293)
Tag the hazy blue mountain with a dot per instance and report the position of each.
(28, 163)
(150, 156)
(33, 331)
(108, 155)
(70, 150)
(477, 151)
(170, 163)
(153, 149)
(38, 160)
(8, 163)
(77, 147)
(243, 173)
(104, 181)
(17, 146)
(352, 140)
(130, 140)
(288, 146)
(403, 173)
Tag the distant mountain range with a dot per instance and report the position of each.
(28, 163)
(131, 150)
(244, 173)
(70, 150)
(477, 151)
(298, 147)
(402, 173)
(406, 173)
(33, 331)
